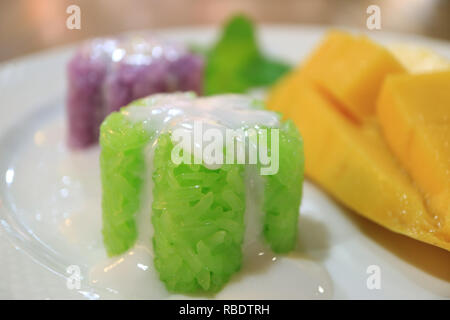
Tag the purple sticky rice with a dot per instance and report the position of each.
(107, 74)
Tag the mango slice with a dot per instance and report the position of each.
(351, 68)
(353, 163)
(414, 113)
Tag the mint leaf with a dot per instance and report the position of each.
(235, 63)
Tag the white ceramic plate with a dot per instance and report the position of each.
(48, 194)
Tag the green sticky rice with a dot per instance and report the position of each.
(197, 213)
(283, 191)
(122, 163)
(198, 218)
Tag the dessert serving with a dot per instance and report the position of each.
(175, 170)
(192, 213)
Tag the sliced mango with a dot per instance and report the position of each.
(351, 68)
(414, 113)
(353, 163)
(332, 100)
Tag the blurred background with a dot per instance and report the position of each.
(28, 26)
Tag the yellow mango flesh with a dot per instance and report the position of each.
(351, 69)
(414, 114)
(418, 59)
(352, 161)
